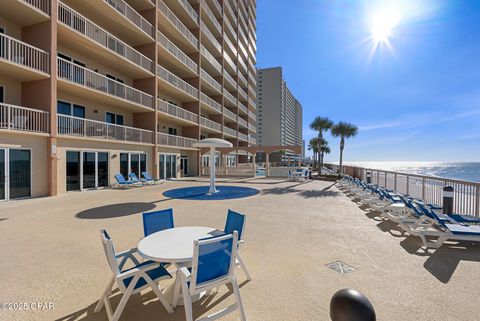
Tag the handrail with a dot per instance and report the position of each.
(132, 15)
(242, 122)
(176, 111)
(176, 52)
(177, 141)
(229, 131)
(177, 23)
(210, 37)
(191, 12)
(21, 118)
(229, 78)
(243, 137)
(204, 51)
(209, 79)
(176, 81)
(205, 122)
(228, 113)
(210, 102)
(230, 97)
(42, 5)
(21, 53)
(242, 108)
(211, 16)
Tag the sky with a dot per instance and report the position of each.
(415, 96)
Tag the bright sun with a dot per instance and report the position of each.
(383, 22)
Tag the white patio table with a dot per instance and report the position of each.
(173, 246)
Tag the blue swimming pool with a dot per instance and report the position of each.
(199, 193)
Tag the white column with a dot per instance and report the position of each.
(212, 189)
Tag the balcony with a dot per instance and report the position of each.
(252, 128)
(175, 141)
(192, 13)
(242, 108)
(177, 54)
(133, 16)
(243, 50)
(230, 115)
(253, 140)
(211, 104)
(242, 79)
(26, 12)
(107, 90)
(82, 33)
(252, 115)
(230, 63)
(252, 80)
(176, 113)
(217, 7)
(242, 94)
(92, 129)
(176, 85)
(210, 124)
(212, 62)
(230, 46)
(229, 81)
(211, 38)
(243, 137)
(251, 65)
(241, 63)
(212, 20)
(179, 30)
(229, 10)
(229, 132)
(23, 119)
(252, 103)
(230, 30)
(213, 85)
(230, 97)
(251, 92)
(242, 122)
(23, 61)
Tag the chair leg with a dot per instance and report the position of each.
(123, 301)
(244, 268)
(104, 296)
(236, 291)
(176, 291)
(187, 300)
(159, 294)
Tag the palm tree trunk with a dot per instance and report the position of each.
(342, 146)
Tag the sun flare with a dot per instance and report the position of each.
(383, 23)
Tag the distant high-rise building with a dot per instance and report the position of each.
(279, 113)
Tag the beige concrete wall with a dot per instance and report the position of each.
(13, 90)
(38, 147)
(114, 150)
(11, 29)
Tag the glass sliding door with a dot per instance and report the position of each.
(162, 166)
(73, 171)
(124, 168)
(168, 165)
(102, 169)
(135, 163)
(143, 164)
(20, 173)
(3, 164)
(88, 170)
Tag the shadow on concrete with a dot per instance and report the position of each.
(387, 226)
(3, 218)
(115, 210)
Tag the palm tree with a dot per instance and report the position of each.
(324, 149)
(321, 125)
(313, 146)
(343, 130)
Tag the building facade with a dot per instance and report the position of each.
(279, 113)
(92, 88)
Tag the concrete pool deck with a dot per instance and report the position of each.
(51, 252)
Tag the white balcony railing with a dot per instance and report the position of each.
(210, 124)
(90, 79)
(252, 115)
(230, 28)
(188, 8)
(229, 78)
(243, 94)
(132, 15)
(229, 114)
(243, 79)
(230, 97)
(217, 6)
(229, 131)
(252, 140)
(212, 82)
(176, 141)
(252, 102)
(229, 61)
(210, 102)
(42, 5)
(243, 50)
(211, 16)
(242, 64)
(23, 54)
(177, 82)
(176, 111)
(210, 37)
(176, 52)
(211, 59)
(177, 23)
(81, 127)
(77, 22)
(252, 128)
(242, 122)
(243, 137)
(23, 119)
(230, 11)
(242, 108)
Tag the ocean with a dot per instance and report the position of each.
(468, 171)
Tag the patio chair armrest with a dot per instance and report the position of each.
(185, 272)
(127, 252)
(133, 271)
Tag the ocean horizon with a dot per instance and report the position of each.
(468, 171)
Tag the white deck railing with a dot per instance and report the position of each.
(81, 127)
(210, 58)
(21, 53)
(90, 79)
(231, 115)
(210, 124)
(243, 137)
(230, 97)
(176, 52)
(211, 16)
(210, 37)
(176, 81)
(132, 15)
(428, 188)
(210, 102)
(177, 23)
(229, 131)
(252, 115)
(176, 141)
(77, 22)
(176, 111)
(252, 140)
(242, 108)
(230, 171)
(210, 80)
(242, 122)
(43, 5)
(252, 127)
(188, 7)
(23, 119)
(229, 78)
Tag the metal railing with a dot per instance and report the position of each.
(230, 28)
(230, 171)
(176, 111)
(242, 108)
(77, 22)
(81, 127)
(176, 52)
(230, 79)
(191, 12)
(229, 61)
(230, 45)
(252, 128)
(217, 6)
(23, 119)
(243, 94)
(177, 82)
(177, 23)
(209, 79)
(230, 11)
(176, 141)
(252, 115)
(242, 79)
(252, 79)
(243, 137)
(211, 16)
(243, 50)
(210, 102)
(242, 64)
(132, 15)
(42, 5)
(252, 102)
(21, 53)
(90, 79)
(242, 122)
(210, 58)
(230, 97)
(211, 37)
(229, 131)
(205, 122)
(427, 188)
(231, 115)
(252, 140)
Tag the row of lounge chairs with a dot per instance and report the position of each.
(133, 180)
(414, 216)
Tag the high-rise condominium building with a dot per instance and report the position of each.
(279, 113)
(92, 88)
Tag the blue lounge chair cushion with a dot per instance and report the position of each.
(121, 180)
(147, 176)
(463, 229)
(154, 274)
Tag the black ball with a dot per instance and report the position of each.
(351, 305)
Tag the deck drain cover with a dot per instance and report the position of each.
(340, 267)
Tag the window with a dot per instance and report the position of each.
(113, 118)
(2, 94)
(65, 108)
(172, 131)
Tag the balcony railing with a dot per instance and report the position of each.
(229, 9)
(252, 140)
(242, 64)
(176, 52)
(243, 137)
(211, 16)
(207, 55)
(177, 82)
(176, 111)
(209, 79)
(230, 46)
(77, 22)
(229, 79)
(176, 141)
(231, 29)
(81, 127)
(210, 124)
(252, 128)
(217, 6)
(243, 50)
(242, 122)
(90, 79)
(210, 37)
(177, 23)
(132, 15)
(42, 5)
(23, 119)
(20, 53)
(229, 114)
(243, 79)
(252, 102)
(252, 115)
(210, 102)
(188, 8)
(230, 97)
(229, 61)
(252, 79)
(243, 94)
(242, 108)
(229, 131)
